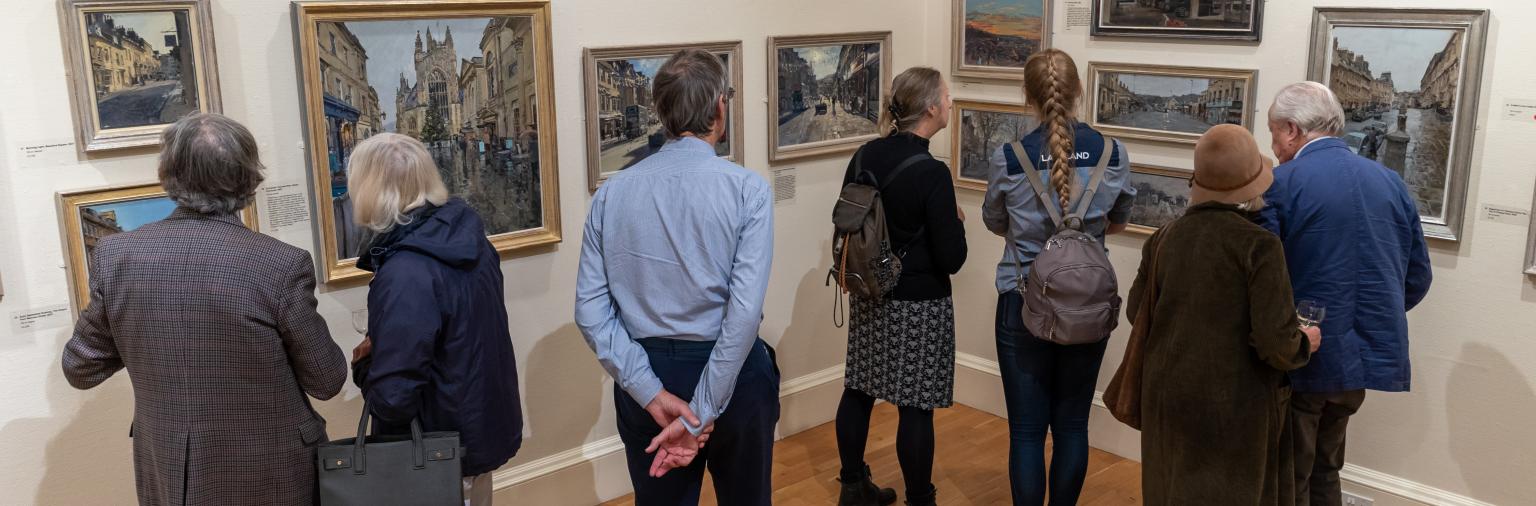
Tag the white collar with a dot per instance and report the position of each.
(1309, 144)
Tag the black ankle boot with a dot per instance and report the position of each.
(860, 490)
(924, 499)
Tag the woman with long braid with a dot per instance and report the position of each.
(1049, 386)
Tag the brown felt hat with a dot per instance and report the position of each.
(1229, 168)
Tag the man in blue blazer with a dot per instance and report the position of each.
(1353, 244)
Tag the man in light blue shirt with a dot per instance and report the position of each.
(674, 268)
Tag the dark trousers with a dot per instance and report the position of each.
(1046, 386)
(1320, 421)
(739, 454)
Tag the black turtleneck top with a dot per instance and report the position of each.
(920, 213)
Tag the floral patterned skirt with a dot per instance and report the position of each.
(903, 351)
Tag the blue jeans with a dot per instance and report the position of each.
(740, 451)
(1046, 386)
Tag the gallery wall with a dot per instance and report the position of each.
(1458, 438)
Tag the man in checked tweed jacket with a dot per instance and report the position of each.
(217, 327)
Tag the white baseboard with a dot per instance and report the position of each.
(1109, 435)
(805, 402)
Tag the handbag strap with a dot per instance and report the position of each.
(360, 447)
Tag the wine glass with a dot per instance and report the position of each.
(360, 321)
(1310, 313)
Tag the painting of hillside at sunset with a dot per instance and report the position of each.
(996, 36)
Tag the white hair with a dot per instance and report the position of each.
(388, 175)
(1311, 106)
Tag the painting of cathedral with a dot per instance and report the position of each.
(473, 89)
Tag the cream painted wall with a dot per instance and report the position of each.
(1462, 430)
(71, 447)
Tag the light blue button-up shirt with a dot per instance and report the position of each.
(678, 246)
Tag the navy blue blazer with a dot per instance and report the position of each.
(1353, 243)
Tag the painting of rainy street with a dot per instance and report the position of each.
(629, 130)
(465, 87)
(1168, 103)
(1398, 87)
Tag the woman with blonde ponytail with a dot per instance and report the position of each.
(1049, 387)
(901, 347)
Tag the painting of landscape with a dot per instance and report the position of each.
(994, 37)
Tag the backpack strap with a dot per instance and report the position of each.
(1084, 199)
(1035, 181)
(900, 167)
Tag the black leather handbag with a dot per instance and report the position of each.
(422, 468)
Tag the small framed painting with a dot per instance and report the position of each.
(980, 128)
(1168, 104)
(1236, 20)
(87, 216)
(136, 66)
(993, 38)
(1409, 81)
(622, 127)
(825, 92)
(1162, 195)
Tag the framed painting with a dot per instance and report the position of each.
(1168, 104)
(992, 38)
(482, 103)
(1162, 195)
(86, 216)
(1408, 80)
(1235, 20)
(135, 67)
(622, 127)
(980, 128)
(825, 92)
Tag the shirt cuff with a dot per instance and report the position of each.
(645, 391)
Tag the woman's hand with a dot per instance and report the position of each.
(1314, 336)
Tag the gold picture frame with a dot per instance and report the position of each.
(126, 87)
(85, 216)
(964, 161)
(854, 107)
(961, 30)
(1155, 211)
(1184, 109)
(505, 136)
(601, 128)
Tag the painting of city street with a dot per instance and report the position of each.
(1204, 19)
(136, 66)
(92, 215)
(981, 128)
(1398, 87)
(142, 73)
(622, 124)
(1408, 81)
(470, 88)
(1167, 103)
(993, 38)
(827, 93)
(1161, 197)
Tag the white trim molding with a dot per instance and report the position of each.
(611, 445)
(1406, 489)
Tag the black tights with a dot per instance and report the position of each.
(914, 439)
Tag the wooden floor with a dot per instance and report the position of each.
(970, 465)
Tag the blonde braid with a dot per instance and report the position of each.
(1059, 136)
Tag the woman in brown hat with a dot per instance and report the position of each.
(1223, 332)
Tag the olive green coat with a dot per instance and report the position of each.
(1214, 390)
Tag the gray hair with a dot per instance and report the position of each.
(1311, 106)
(388, 175)
(685, 92)
(912, 93)
(209, 164)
